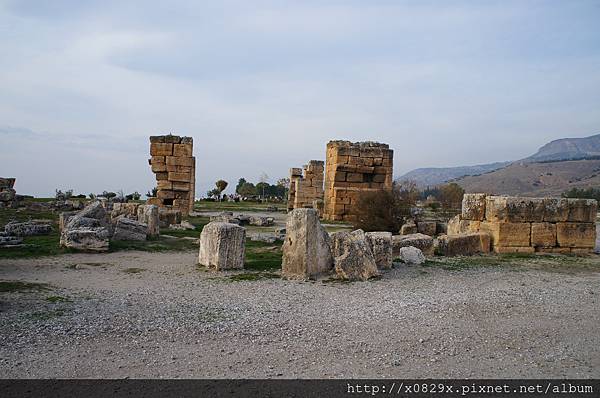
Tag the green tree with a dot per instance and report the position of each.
(221, 186)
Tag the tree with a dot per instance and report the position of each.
(263, 180)
(247, 189)
(221, 186)
(451, 196)
(384, 210)
(152, 193)
(214, 193)
(240, 183)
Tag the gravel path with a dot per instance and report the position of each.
(176, 321)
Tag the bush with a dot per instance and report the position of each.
(384, 210)
(580, 193)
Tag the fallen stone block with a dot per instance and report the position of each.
(420, 241)
(409, 228)
(261, 221)
(148, 214)
(473, 206)
(9, 241)
(306, 248)
(128, 229)
(352, 256)
(427, 227)
(64, 218)
(381, 246)
(576, 234)
(411, 255)
(464, 244)
(222, 246)
(168, 216)
(28, 228)
(86, 239)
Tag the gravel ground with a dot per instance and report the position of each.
(174, 320)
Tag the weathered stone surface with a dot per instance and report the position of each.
(168, 216)
(464, 244)
(148, 214)
(8, 241)
(7, 195)
(63, 219)
(86, 239)
(409, 228)
(513, 249)
(514, 209)
(306, 248)
(473, 206)
(261, 221)
(352, 256)
(420, 241)
(381, 246)
(77, 221)
(576, 234)
(441, 228)
(7, 182)
(128, 229)
(582, 210)
(128, 210)
(508, 234)
(543, 234)
(427, 227)
(222, 246)
(97, 211)
(456, 226)
(556, 209)
(411, 255)
(28, 228)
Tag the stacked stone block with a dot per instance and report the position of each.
(306, 185)
(173, 163)
(352, 169)
(527, 225)
(7, 192)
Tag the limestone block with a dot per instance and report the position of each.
(420, 241)
(409, 228)
(306, 248)
(222, 246)
(7, 182)
(571, 234)
(7, 194)
(543, 234)
(181, 177)
(154, 201)
(164, 185)
(161, 149)
(352, 256)
(148, 214)
(581, 250)
(513, 249)
(556, 209)
(63, 219)
(182, 150)
(173, 139)
(473, 206)
(92, 239)
(381, 246)
(180, 161)
(554, 250)
(411, 255)
(582, 210)
(514, 209)
(27, 228)
(508, 234)
(426, 227)
(168, 217)
(164, 194)
(162, 176)
(157, 139)
(464, 244)
(456, 226)
(128, 229)
(181, 186)
(157, 159)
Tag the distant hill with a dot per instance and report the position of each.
(568, 148)
(557, 150)
(550, 178)
(432, 176)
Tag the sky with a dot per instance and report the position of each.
(262, 86)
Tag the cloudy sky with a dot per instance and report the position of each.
(263, 85)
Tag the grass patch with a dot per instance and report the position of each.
(133, 270)
(262, 256)
(58, 299)
(459, 263)
(234, 206)
(334, 280)
(18, 286)
(253, 276)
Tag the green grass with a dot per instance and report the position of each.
(19, 286)
(261, 256)
(235, 206)
(58, 299)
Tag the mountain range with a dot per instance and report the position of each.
(557, 166)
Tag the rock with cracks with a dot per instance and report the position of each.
(306, 248)
(411, 255)
(127, 229)
(381, 246)
(222, 246)
(352, 256)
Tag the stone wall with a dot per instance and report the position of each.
(527, 225)
(306, 185)
(351, 169)
(175, 167)
(7, 192)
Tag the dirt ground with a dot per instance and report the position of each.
(138, 314)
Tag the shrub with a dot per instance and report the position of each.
(384, 210)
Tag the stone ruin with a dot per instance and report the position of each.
(352, 169)
(527, 225)
(310, 252)
(306, 186)
(8, 195)
(175, 167)
(222, 246)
